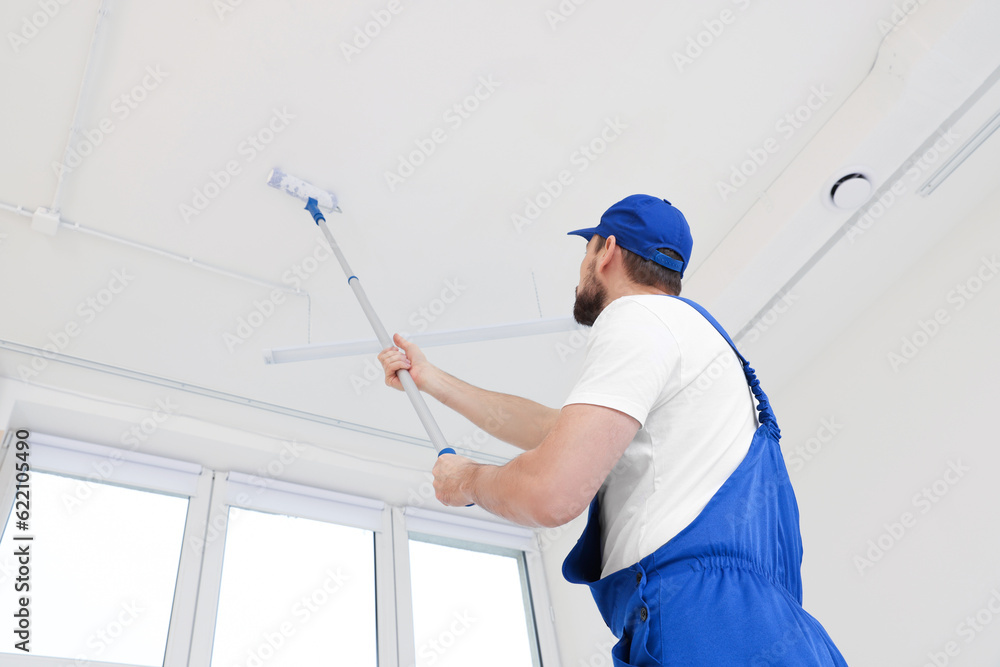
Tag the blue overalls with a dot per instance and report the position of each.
(727, 589)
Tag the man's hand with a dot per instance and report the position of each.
(410, 358)
(453, 478)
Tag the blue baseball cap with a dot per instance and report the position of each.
(643, 224)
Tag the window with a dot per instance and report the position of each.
(295, 592)
(470, 594)
(143, 561)
(103, 566)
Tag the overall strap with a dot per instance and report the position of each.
(763, 405)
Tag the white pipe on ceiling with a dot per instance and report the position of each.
(80, 99)
(184, 259)
(199, 390)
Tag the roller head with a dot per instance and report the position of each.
(305, 191)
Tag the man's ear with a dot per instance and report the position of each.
(606, 253)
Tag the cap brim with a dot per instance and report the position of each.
(585, 233)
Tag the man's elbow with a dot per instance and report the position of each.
(553, 509)
(552, 496)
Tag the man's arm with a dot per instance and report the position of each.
(551, 484)
(519, 421)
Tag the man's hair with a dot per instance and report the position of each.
(649, 273)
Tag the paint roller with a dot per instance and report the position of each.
(318, 199)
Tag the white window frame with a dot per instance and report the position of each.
(504, 535)
(143, 472)
(211, 494)
(236, 489)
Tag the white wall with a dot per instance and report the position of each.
(584, 640)
(899, 431)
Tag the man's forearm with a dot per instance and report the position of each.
(506, 492)
(519, 421)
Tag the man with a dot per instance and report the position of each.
(692, 548)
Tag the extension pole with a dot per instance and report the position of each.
(409, 386)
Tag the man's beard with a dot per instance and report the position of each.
(590, 301)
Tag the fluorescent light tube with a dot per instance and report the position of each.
(282, 355)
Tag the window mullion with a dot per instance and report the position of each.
(542, 606)
(212, 547)
(406, 648)
(385, 593)
(188, 575)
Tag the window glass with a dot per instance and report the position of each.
(102, 569)
(471, 605)
(295, 592)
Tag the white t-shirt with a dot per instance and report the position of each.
(657, 359)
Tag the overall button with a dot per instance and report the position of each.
(643, 614)
(638, 578)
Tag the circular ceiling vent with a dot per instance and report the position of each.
(850, 191)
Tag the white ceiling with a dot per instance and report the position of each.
(680, 131)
